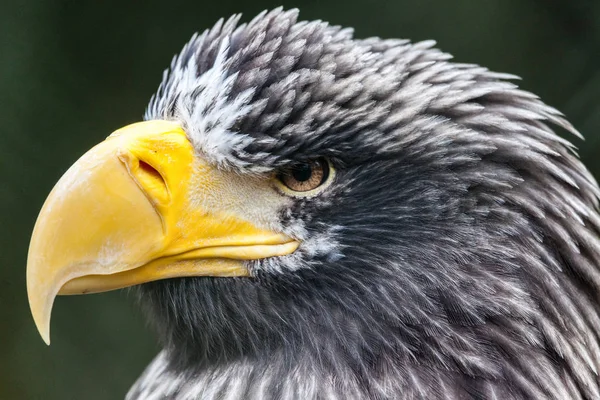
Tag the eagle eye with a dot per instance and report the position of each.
(303, 179)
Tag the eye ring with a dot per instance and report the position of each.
(305, 179)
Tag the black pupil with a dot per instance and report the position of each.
(302, 172)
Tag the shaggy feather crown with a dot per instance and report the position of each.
(262, 94)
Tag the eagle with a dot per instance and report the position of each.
(307, 215)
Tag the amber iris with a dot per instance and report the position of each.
(306, 176)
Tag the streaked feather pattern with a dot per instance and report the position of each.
(455, 257)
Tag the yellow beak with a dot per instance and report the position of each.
(128, 212)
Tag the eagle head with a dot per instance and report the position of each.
(309, 215)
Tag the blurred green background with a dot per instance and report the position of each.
(73, 71)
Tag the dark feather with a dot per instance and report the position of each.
(455, 256)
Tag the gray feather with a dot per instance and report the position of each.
(463, 233)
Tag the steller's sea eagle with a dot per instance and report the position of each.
(313, 216)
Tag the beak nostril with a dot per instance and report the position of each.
(150, 171)
(152, 182)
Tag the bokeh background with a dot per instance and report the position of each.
(72, 71)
